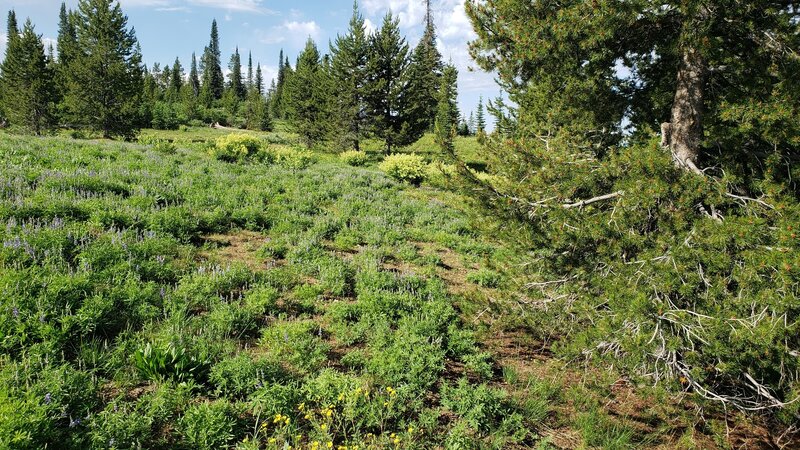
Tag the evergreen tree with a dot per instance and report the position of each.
(480, 117)
(249, 71)
(194, 79)
(28, 89)
(277, 98)
(213, 79)
(714, 79)
(307, 97)
(447, 115)
(385, 93)
(175, 81)
(471, 124)
(350, 55)
(259, 82)
(105, 82)
(235, 83)
(12, 29)
(424, 75)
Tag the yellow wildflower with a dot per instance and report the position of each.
(330, 444)
(323, 427)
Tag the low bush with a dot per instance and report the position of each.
(237, 147)
(407, 168)
(353, 158)
(292, 158)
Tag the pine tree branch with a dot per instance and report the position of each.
(586, 202)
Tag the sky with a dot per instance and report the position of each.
(175, 28)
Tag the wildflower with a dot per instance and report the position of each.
(47, 399)
(341, 397)
(302, 406)
(396, 441)
(74, 423)
(323, 427)
(272, 440)
(410, 429)
(307, 416)
(286, 421)
(15, 312)
(330, 444)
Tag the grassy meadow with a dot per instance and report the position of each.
(156, 297)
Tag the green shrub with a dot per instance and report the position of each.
(409, 168)
(292, 158)
(353, 158)
(237, 147)
(241, 375)
(297, 343)
(208, 425)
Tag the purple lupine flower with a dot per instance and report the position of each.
(163, 292)
(47, 399)
(74, 423)
(42, 319)
(15, 312)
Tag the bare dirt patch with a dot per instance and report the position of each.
(239, 247)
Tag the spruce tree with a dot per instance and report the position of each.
(259, 81)
(447, 115)
(213, 79)
(480, 117)
(386, 90)
(249, 71)
(424, 74)
(105, 76)
(12, 29)
(307, 97)
(350, 54)
(28, 89)
(194, 78)
(277, 98)
(235, 83)
(175, 81)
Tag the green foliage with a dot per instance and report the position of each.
(291, 157)
(170, 361)
(105, 73)
(307, 97)
(208, 425)
(485, 278)
(353, 158)
(237, 147)
(27, 90)
(296, 343)
(409, 168)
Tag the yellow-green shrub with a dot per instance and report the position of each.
(292, 158)
(404, 167)
(236, 147)
(353, 158)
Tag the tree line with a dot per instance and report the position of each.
(369, 85)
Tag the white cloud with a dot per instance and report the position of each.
(370, 26)
(249, 6)
(3, 42)
(294, 32)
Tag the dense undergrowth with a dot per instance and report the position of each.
(682, 280)
(121, 330)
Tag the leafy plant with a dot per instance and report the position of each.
(404, 167)
(353, 158)
(170, 361)
(237, 147)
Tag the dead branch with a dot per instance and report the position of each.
(586, 202)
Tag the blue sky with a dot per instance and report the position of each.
(170, 28)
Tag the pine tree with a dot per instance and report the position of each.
(350, 55)
(698, 70)
(259, 82)
(175, 81)
(249, 71)
(12, 30)
(385, 93)
(480, 117)
(213, 79)
(194, 79)
(105, 82)
(277, 98)
(307, 97)
(235, 78)
(28, 89)
(447, 115)
(424, 75)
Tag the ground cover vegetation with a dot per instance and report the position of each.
(344, 260)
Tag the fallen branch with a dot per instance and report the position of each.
(583, 203)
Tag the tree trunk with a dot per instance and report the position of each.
(684, 133)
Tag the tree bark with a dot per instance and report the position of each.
(683, 134)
